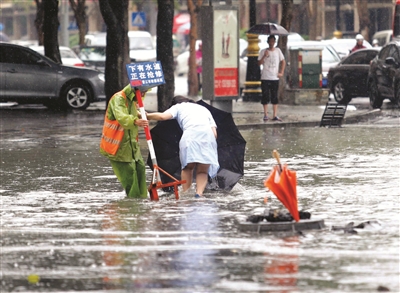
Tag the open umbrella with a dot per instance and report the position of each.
(282, 182)
(268, 28)
(231, 148)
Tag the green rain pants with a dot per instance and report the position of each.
(132, 177)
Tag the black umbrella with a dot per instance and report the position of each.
(231, 148)
(268, 28)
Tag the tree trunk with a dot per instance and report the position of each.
(312, 15)
(286, 22)
(363, 14)
(39, 20)
(165, 18)
(50, 30)
(194, 9)
(115, 15)
(78, 7)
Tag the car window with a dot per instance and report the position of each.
(384, 53)
(93, 54)
(328, 56)
(67, 54)
(363, 57)
(17, 56)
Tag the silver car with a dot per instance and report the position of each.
(27, 77)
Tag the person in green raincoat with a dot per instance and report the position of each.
(127, 162)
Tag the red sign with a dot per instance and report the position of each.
(226, 82)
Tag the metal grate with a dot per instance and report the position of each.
(333, 115)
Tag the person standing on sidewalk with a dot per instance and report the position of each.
(119, 142)
(273, 63)
(198, 144)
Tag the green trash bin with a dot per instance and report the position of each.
(306, 67)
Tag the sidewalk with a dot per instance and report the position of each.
(250, 114)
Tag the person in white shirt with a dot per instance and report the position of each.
(198, 145)
(273, 63)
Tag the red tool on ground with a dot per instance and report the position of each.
(156, 179)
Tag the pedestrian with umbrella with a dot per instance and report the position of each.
(198, 144)
(273, 63)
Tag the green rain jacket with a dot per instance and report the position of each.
(129, 149)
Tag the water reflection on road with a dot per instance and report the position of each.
(65, 218)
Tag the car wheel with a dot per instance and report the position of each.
(339, 93)
(76, 96)
(374, 98)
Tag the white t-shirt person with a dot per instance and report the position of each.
(271, 64)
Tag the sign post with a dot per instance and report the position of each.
(143, 76)
(221, 47)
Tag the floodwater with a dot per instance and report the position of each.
(67, 225)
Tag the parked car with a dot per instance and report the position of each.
(349, 78)
(383, 37)
(343, 46)
(68, 57)
(93, 56)
(27, 77)
(384, 76)
(96, 39)
(141, 46)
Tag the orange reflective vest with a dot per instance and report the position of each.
(112, 134)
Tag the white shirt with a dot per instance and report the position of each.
(271, 64)
(198, 143)
(191, 115)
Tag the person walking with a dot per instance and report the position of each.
(359, 43)
(119, 142)
(198, 144)
(273, 63)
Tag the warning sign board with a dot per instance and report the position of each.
(138, 19)
(145, 75)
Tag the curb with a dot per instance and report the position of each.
(353, 119)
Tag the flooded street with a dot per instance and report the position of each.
(67, 225)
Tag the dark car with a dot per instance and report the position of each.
(384, 76)
(27, 77)
(349, 78)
